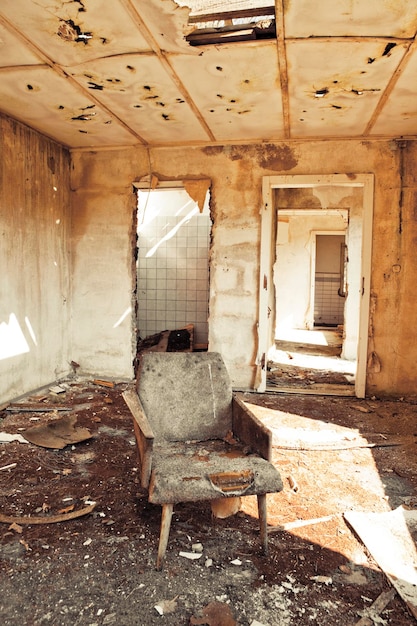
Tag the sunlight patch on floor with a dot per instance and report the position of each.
(309, 361)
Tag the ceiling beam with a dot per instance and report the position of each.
(282, 66)
(390, 87)
(137, 18)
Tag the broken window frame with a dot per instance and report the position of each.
(232, 26)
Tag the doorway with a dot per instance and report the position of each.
(173, 240)
(297, 210)
(329, 280)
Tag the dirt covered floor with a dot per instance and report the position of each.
(100, 568)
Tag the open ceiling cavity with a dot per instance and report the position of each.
(224, 22)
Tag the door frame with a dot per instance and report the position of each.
(267, 259)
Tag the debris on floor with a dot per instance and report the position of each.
(100, 568)
(57, 433)
(391, 539)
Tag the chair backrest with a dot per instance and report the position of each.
(185, 396)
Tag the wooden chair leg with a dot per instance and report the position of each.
(167, 510)
(262, 522)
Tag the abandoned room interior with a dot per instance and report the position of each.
(198, 176)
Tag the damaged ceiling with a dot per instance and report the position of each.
(126, 72)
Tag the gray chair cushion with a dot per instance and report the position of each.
(187, 472)
(185, 396)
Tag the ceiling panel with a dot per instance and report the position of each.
(13, 52)
(335, 86)
(399, 115)
(139, 90)
(167, 26)
(350, 18)
(236, 89)
(48, 103)
(71, 32)
(99, 74)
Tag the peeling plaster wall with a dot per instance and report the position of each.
(34, 279)
(102, 231)
(103, 209)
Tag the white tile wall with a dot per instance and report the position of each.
(328, 305)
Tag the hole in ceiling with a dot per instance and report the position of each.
(165, 116)
(216, 23)
(68, 30)
(388, 48)
(371, 60)
(219, 68)
(82, 8)
(320, 93)
(29, 87)
(92, 85)
(336, 106)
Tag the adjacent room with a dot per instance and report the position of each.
(191, 177)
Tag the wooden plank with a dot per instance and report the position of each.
(143, 434)
(389, 538)
(315, 390)
(202, 16)
(250, 430)
(373, 612)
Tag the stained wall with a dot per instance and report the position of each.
(103, 210)
(35, 288)
(68, 233)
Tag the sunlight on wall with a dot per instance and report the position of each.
(12, 339)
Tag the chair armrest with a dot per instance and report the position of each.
(143, 433)
(250, 430)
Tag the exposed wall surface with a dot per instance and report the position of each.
(34, 276)
(67, 264)
(294, 272)
(101, 245)
(102, 237)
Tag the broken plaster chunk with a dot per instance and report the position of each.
(236, 562)
(57, 389)
(192, 556)
(7, 438)
(327, 580)
(166, 606)
(197, 547)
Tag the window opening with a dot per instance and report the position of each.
(173, 267)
